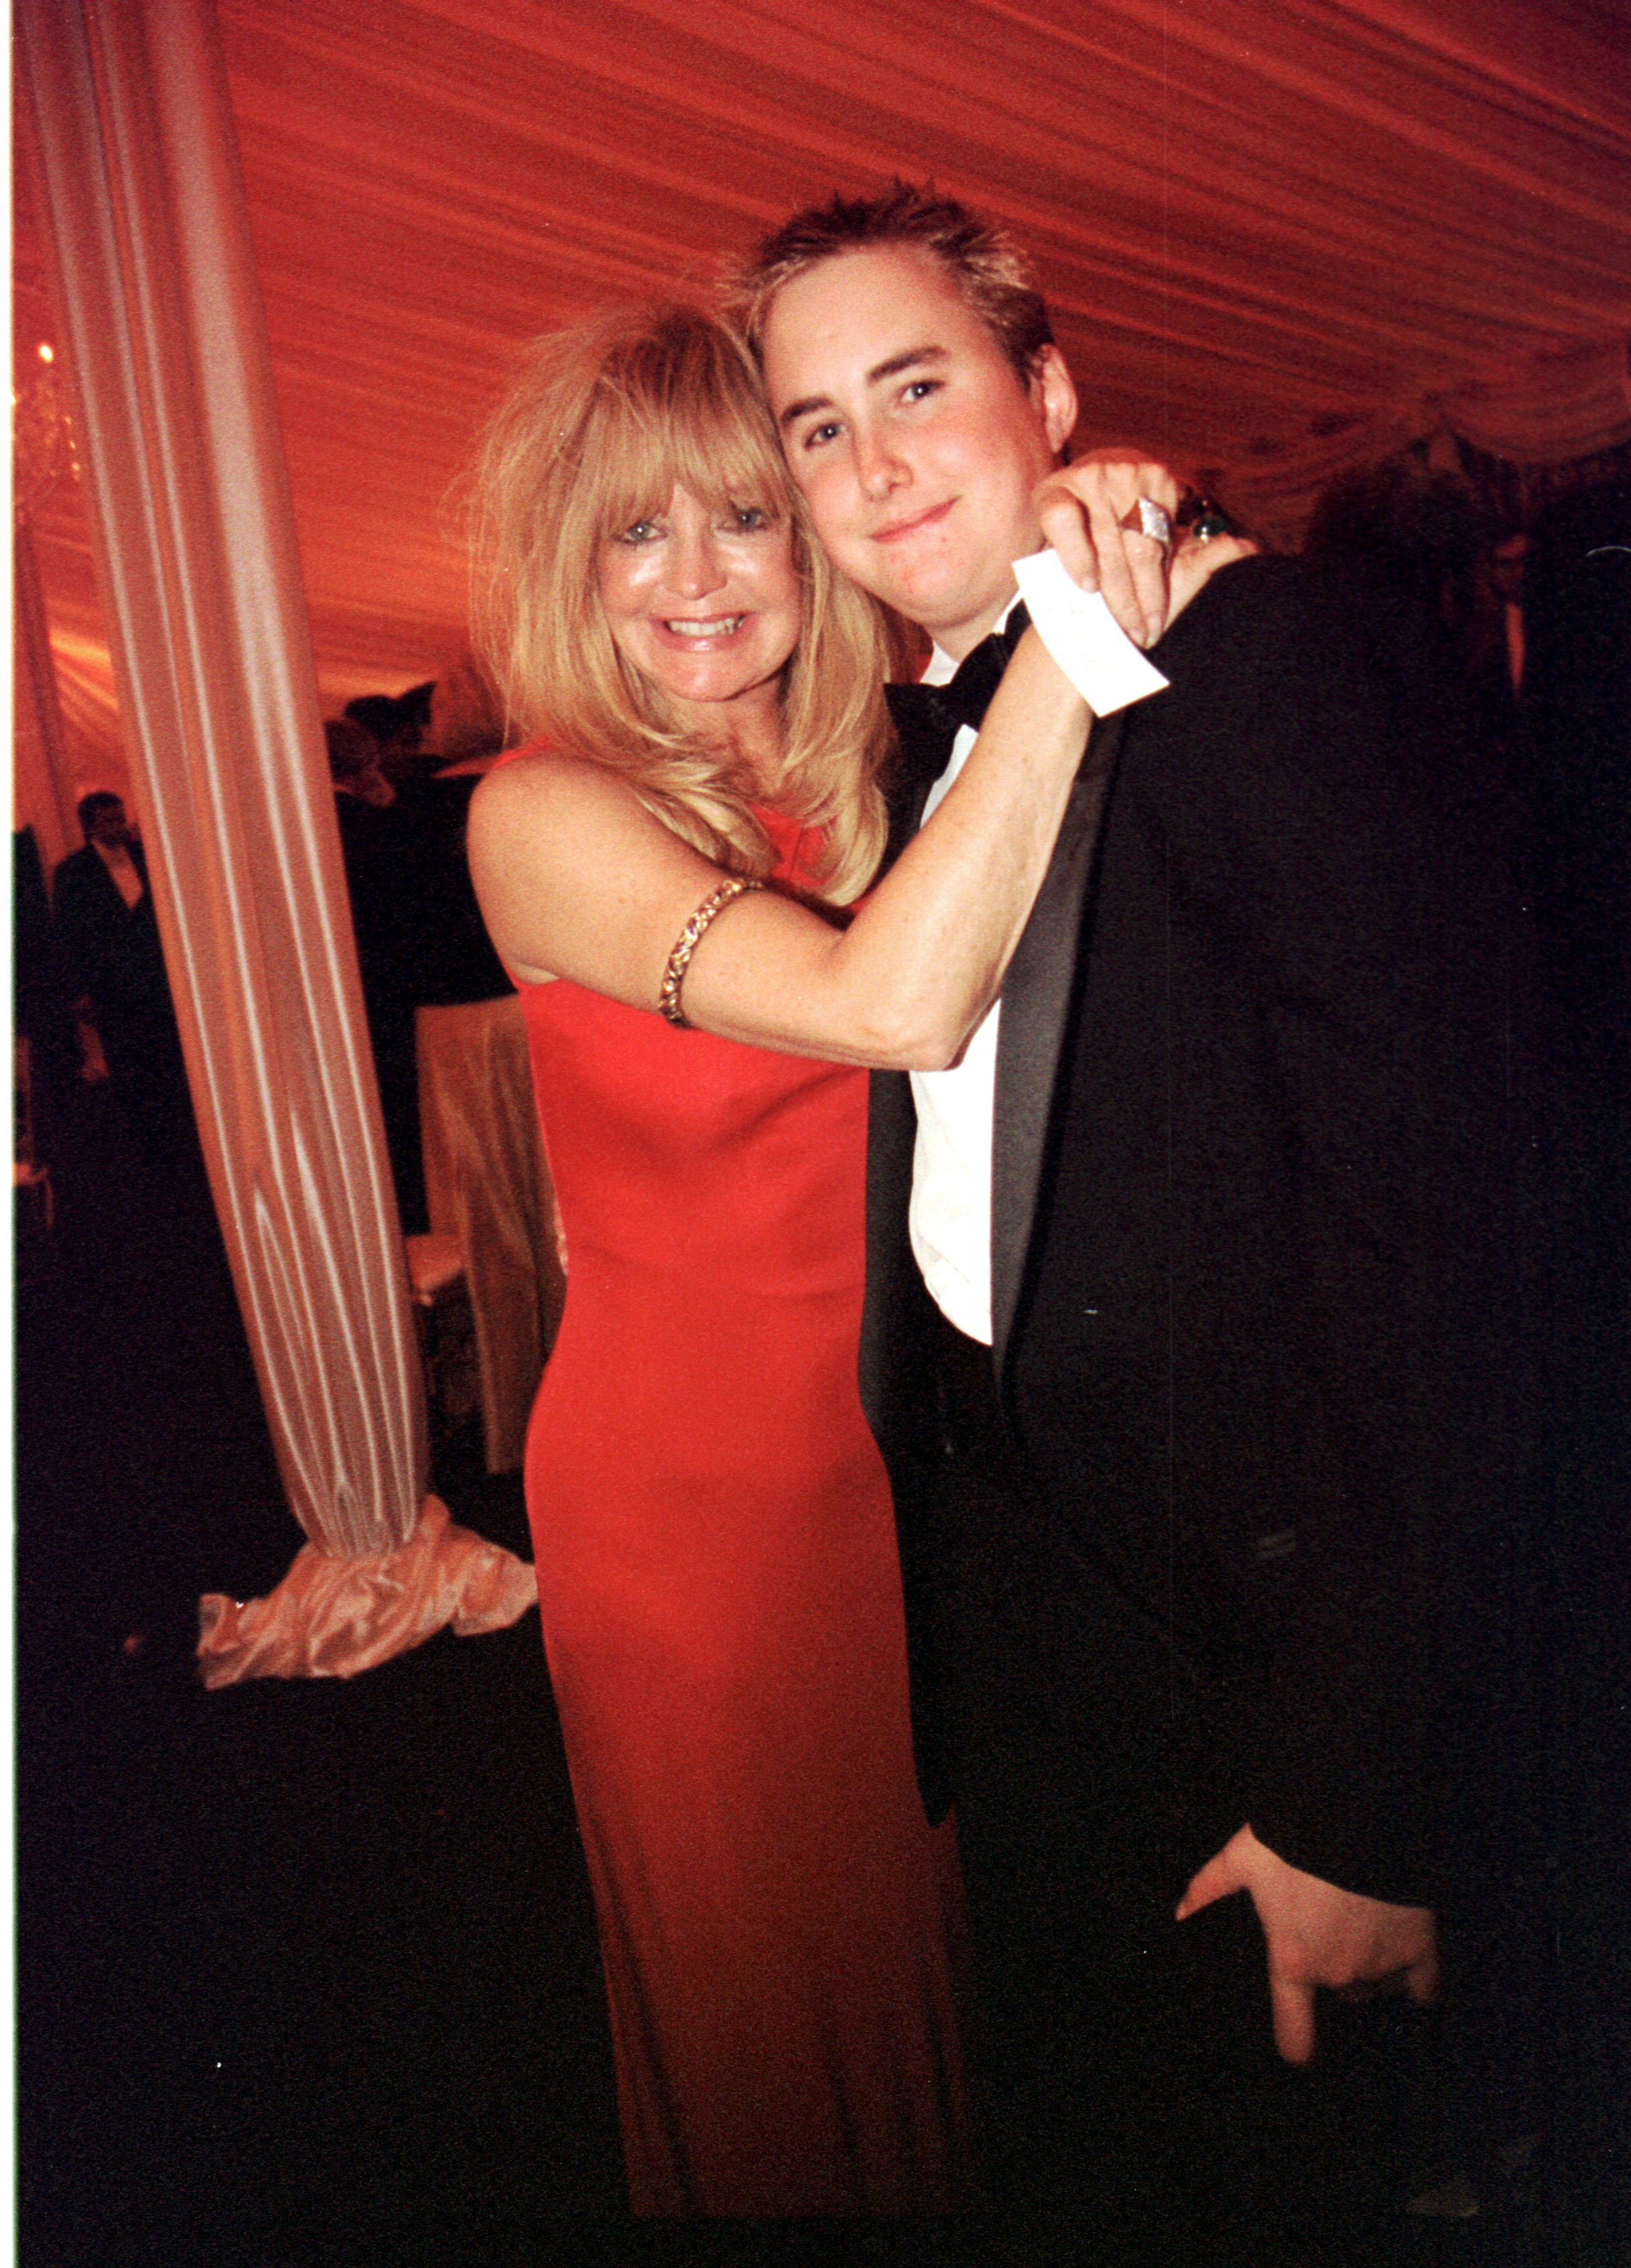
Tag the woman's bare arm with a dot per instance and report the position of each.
(578, 879)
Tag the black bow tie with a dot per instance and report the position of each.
(931, 714)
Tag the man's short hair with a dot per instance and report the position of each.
(99, 799)
(993, 276)
(393, 719)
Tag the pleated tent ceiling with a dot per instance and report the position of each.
(1275, 236)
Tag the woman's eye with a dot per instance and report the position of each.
(748, 520)
(818, 435)
(920, 389)
(642, 531)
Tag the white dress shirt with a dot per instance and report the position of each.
(951, 1217)
(117, 859)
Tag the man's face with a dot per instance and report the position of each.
(108, 824)
(913, 440)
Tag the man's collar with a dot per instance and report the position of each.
(942, 667)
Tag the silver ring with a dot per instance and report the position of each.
(1153, 520)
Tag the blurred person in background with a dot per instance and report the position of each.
(106, 935)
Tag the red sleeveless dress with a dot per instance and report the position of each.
(721, 1608)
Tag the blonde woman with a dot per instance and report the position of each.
(676, 870)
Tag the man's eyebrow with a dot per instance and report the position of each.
(794, 410)
(909, 358)
(906, 360)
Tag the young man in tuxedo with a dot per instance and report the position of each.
(1184, 1339)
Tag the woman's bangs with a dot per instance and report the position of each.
(709, 448)
(727, 461)
(636, 467)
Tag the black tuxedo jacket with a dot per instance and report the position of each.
(1252, 1224)
(105, 947)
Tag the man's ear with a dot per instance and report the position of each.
(1052, 391)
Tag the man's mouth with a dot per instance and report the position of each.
(898, 529)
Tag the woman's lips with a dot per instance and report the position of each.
(898, 529)
(693, 630)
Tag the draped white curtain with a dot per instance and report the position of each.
(43, 776)
(201, 589)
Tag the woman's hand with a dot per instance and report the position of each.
(1083, 508)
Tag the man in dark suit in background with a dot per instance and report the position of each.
(1186, 1339)
(113, 969)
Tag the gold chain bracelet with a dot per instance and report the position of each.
(690, 938)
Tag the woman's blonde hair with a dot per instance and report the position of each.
(603, 424)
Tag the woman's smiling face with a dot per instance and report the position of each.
(707, 605)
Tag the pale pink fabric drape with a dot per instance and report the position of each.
(487, 1183)
(201, 589)
(332, 1618)
(41, 793)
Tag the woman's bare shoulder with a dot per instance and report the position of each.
(576, 876)
(550, 803)
(541, 777)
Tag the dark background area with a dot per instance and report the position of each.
(307, 1970)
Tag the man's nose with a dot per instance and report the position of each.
(877, 467)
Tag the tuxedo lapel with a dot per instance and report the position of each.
(889, 1346)
(1036, 1004)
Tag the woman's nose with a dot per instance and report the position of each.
(696, 567)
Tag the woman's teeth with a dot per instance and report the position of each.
(721, 626)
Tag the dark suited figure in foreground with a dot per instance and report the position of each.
(1200, 1427)
(112, 971)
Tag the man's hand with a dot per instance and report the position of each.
(1082, 507)
(1317, 1934)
